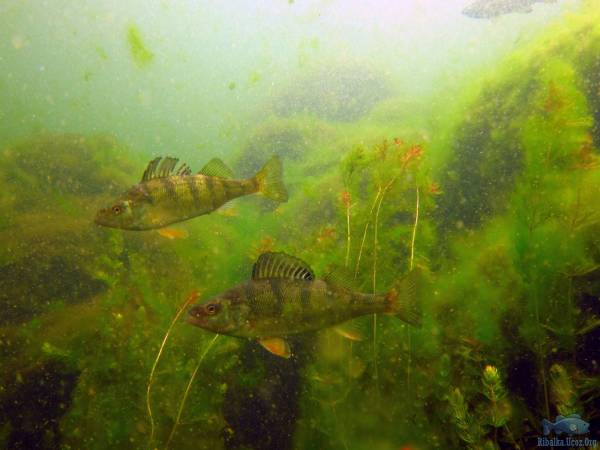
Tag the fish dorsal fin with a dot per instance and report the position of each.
(151, 169)
(216, 168)
(281, 265)
(576, 416)
(558, 418)
(341, 276)
(164, 167)
(184, 170)
(276, 345)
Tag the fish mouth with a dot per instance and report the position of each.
(193, 320)
(100, 218)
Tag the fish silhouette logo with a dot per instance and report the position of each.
(571, 424)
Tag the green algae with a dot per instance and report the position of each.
(141, 54)
(507, 234)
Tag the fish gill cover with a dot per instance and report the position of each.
(495, 202)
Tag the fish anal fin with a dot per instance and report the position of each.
(276, 345)
(341, 276)
(216, 168)
(352, 330)
(173, 233)
(281, 265)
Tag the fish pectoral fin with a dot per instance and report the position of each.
(281, 265)
(353, 330)
(277, 346)
(216, 168)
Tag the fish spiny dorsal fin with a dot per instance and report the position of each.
(184, 170)
(558, 418)
(216, 168)
(166, 167)
(151, 169)
(341, 276)
(281, 265)
(576, 416)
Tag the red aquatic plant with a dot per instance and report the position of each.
(346, 198)
(412, 154)
(585, 157)
(434, 189)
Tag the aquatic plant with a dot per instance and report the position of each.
(140, 53)
(563, 394)
(341, 91)
(474, 426)
(188, 301)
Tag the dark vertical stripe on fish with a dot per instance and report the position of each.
(169, 188)
(305, 293)
(227, 189)
(193, 187)
(278, 293)
(251, 297)
(355, 299)
(210, 191)
(219, 188)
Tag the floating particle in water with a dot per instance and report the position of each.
(101, 53)
(18, 42)
(254, 78)
(231, 86)
(141, 55)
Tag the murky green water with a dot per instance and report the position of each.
(414, 139)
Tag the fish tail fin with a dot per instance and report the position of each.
(270, 180)
(548, 426)
(402, 300)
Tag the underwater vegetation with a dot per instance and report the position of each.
(495, 204)
(141, 54)
(342, 91)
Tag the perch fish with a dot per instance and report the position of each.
(283, 298)
(166, 195)
(488, 9)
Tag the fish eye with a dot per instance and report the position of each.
(211, 308)
(116, 209)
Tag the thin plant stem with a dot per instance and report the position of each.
(375, 244)
(414, 233)
(348, 234)
(192, 297)
(512, 438)
(187, 390)
(339, 424)
(412, 264)
(364, 238)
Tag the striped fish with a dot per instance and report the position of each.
(166, 195)
(284, 298)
